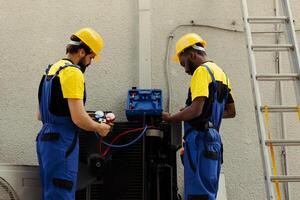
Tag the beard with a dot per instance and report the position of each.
(82, 65)
(191, 67)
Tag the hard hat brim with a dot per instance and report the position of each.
(175, 58)
(97, 58)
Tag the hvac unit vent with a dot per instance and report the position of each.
(6, 191)
(19, 182)
(123, 180)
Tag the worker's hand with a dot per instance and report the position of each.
(103, 129)
(166, 116)
(181, 151)
(181, 109)
(91, 114)
(110, 124)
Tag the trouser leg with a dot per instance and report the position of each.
(60, 172)
(201, 168)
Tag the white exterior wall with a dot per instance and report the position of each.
(34, 33)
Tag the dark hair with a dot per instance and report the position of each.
(191, 49)
(74, 48)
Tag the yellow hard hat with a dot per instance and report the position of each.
(92, 39)
(186, 41)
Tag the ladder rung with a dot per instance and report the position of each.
(285, 178)
(267, 20)
(266, 32)
(277, 77)
(280, 108)
(272, 47)
(283, 142)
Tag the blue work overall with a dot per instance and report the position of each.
(202, 154)
(57, 148)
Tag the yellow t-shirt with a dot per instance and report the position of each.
(71, 79)
(201, 79)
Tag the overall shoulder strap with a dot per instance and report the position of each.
(65, 66)
(47, 69)
(210, 72)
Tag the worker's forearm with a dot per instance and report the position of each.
(38, 114)
(80, 117)
(229, 111)
(185, 115)
(85, 122)
(227, 114)
(190, 112)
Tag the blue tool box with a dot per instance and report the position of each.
(143, 103)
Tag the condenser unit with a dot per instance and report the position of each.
(19, 182)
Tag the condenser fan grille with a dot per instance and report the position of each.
(6, 191)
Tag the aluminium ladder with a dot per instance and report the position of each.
(292, 49)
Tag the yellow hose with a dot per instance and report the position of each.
(266, 109)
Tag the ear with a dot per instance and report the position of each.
(82, 52)
(193, 55)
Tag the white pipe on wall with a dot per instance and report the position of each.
(144, 44)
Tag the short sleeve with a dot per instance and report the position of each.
(200, 83)
(72, 83)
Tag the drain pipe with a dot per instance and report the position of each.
(144, 43)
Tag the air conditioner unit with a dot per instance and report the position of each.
(19, 182)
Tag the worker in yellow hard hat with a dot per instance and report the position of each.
(62, 97)
(209, 100)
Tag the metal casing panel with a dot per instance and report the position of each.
(23, 179)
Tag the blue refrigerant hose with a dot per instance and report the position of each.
(128, 144)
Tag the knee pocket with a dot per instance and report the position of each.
(198, 197)
(63, 183)
(209, 167)
(212, 151)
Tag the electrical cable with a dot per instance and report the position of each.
(167, 57)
